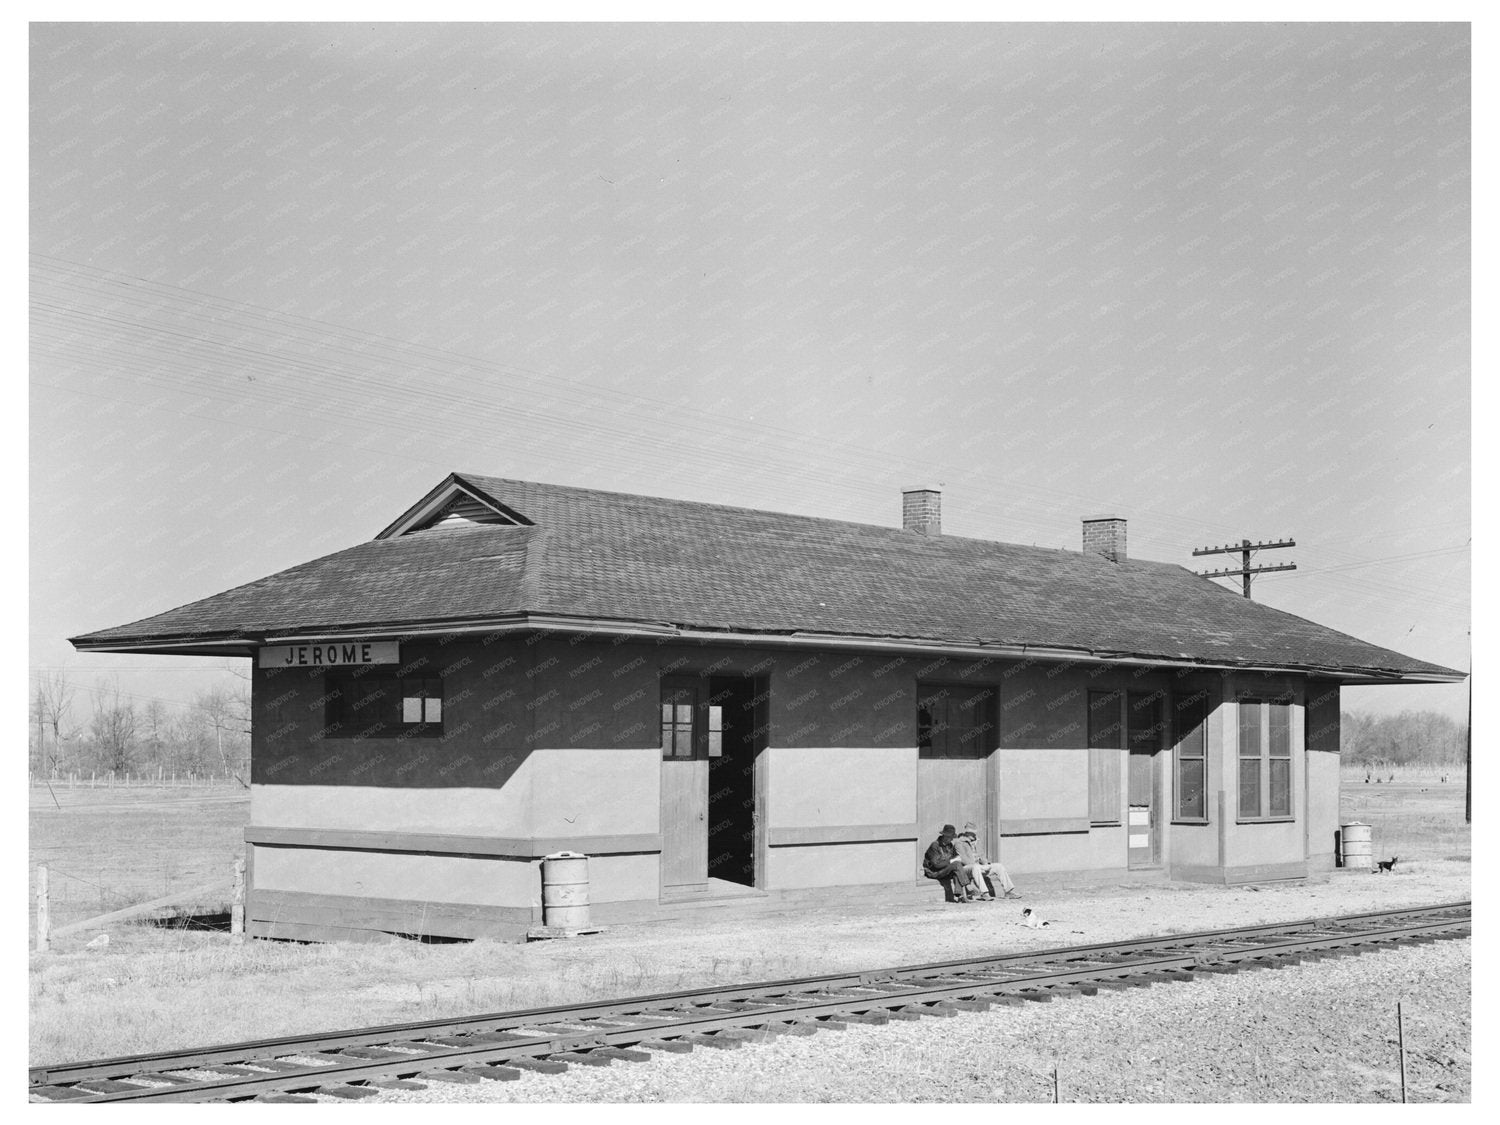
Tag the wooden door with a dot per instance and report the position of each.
(684, 784)
(955, 735)
(1143, 733)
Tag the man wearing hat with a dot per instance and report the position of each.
(942, 863)
(977, 865)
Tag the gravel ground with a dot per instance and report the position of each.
(1313, 1033)
(847, 934)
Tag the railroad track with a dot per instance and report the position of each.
(360, 1063)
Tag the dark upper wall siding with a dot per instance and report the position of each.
(506, 696)
(1323, 715)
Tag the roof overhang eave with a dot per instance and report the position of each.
(171, 646)
(614, 627)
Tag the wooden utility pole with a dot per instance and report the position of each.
(1244, 549)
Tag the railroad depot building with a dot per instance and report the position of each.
(724, 705)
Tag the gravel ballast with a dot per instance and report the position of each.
(1312, 1033)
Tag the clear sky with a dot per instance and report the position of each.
(1211, 278)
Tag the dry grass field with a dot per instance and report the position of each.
(1418, 814)
(107, 849)
(155, 987)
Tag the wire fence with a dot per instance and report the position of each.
(56, 913)
(162, 778)
(119, 843)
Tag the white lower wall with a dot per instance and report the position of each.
(835, 865)
(827, 787)
(1322, 808)
(367, 808)
(1043, 784)
(1072, 851)
(394, 875)
(552, 793)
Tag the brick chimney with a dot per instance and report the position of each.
(922, 510)
(1105, 535)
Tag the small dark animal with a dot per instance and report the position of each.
(1383, 866)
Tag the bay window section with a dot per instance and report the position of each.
(1265, 759)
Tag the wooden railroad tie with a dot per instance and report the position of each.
(349, 1092)
(541, 1066)
(494, 1073)
(457, 1077)
(324, 1069)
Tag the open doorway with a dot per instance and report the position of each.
(733, 706)
(713, 731)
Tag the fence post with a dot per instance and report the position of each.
(1401, 1048)
(237, 904)
(43, 919)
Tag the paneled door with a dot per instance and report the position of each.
(684, 784)
(955, 735)
(1144, 740)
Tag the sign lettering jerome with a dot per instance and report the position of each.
(332, 654)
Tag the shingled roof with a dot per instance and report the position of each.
(681, 567)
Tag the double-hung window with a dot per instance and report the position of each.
(1192, 757)
(1265, 759)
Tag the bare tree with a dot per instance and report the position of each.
(154, 717)
(192, 741)
(113, 727)
(1410, 738)
(226, 713)
(53, 703)
(38, 713)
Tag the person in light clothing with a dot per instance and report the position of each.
(978, 866)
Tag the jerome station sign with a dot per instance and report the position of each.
(332, 654)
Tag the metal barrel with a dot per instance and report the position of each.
(1355, 845)
(565, 890)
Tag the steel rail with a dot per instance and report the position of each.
(231, 1052)
(792, 1004)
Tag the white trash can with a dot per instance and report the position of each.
(565, 890)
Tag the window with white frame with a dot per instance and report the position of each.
(1265, 759)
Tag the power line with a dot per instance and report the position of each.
(1245, 549)
(157, 370)
(361, 341)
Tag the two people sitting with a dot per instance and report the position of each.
(967, 874)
